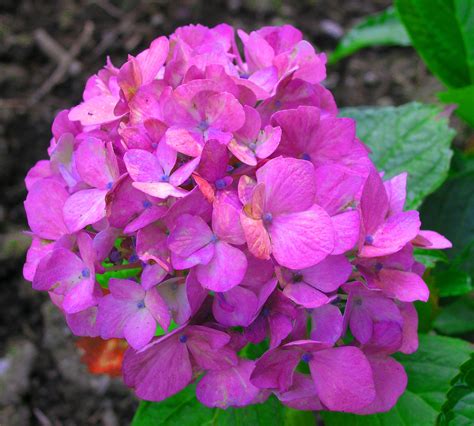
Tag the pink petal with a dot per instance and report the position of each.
(289, 185)
(159, 189)
(390, 382)
(405, 286)
(373, 203)
(225, 270)
(44, 209)
(143, 166)
(126, 290)
(158, 371)
(225, 218)
(305, 295)
(343, 378)
(158, 308)
(228, 388)
(410, 328)
(258, 240)
(302, 239)
(268, 141)
(396, 188)
(139, 329)
(84, 208)
(151, 60)
(327, 322)
(97, 110)
(236, 307)
(346, 230)
(328, 274)
(96, 163)
(185, 141)
(431, 240)
(190, 234)
(393, 234)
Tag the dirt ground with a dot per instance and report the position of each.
(41, 379)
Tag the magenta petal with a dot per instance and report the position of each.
(96, 163)
(274, 370)
(396, 192)
(289, 185)
(410, 328)
(97, 110)
(84, 208)
(268, 141)
(44, 209)
(84, 323)
(152, 275)
(258, 240)
(343, 378)
(126, 290)
(374, 203)
(305, 295)
(190, 234)
(431, 240)
(79, 297)
(327, 322)
(184, 141)
(302, 239)
(280, 326)
(139, 329)
(328, 274)
(143, 166)
(152, 59)
(158, 308)
(159, 189)
(225, 270)
(301, 395)
(182, 174)
(158, 371)
(390, 382)
(236, 307)
(228, 388)
(225, 217)
(346, 231)
(405, 286)
(392, 235)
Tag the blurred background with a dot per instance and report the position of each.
(47, 51)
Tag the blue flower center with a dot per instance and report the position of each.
(220, 183)
(164, 178)
(369, 240)
(109, 185)
(147, 204)
(86, 273)
(252, 146)
(133, 258)
(267, 218)
(306, 157)
(278, 103)
(378, 267)
(306, 357)
(214, 238)
(203, 125)
(141, 304)
(183, 338)
(265, 311)
(297, 278)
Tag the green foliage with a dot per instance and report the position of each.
(430, 373)
(435, 33)
(463, 98)
(384, 28)
(184, 409)
(103, 279)
(457, 317)
(450, 212)
(411, 138)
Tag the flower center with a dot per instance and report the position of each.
(306, 157)
(86, 273)
(183, 338)
(141, 304)
(297, 278)
(203, 125)
(369, 240)
(146, 204)
(267, 218)
(306, 357)
(220, 183)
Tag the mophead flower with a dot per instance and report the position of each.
(202, 200)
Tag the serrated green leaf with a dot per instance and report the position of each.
(411, 138)
(383, 29)
(464, 99)
(457, 317)
(430, 372)
(184, 409)
(434, 30)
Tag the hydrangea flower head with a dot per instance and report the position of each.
(203, 200)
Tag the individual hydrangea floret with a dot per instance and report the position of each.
(207, 205)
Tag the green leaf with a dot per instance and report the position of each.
(411, 138)
(430, 372)
(464, 99)
(430, 258)
(457, 317)
(465, 16)
(452, 281)
(184, 409)
(459, 407)
(435, 32)
(383, 29)
(450, 212)
(103, 279)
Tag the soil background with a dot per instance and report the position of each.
(42, 381)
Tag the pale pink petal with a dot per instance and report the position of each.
(158, 308)
(97, 110)
(258, 240)
(431, 240)
(190, 234)
(405, 286)
(346, 230)
(143, 166)
(139, 329)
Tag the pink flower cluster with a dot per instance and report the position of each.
(250, 216)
